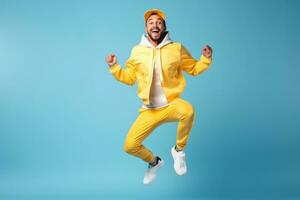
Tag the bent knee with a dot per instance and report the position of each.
(190, 112)
(187, 111)
(130, 147)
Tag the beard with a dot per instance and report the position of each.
(160, 38)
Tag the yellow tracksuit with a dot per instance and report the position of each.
(172, 59)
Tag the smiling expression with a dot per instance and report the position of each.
(155, 27)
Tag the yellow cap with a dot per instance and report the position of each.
(148, 13)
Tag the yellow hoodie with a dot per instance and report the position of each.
(171, 57)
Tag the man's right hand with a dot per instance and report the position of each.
(111, 60)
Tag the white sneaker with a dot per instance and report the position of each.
(151, 172)
(179, 161)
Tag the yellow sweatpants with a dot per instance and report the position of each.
(148, 119)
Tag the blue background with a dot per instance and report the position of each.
(63, 117)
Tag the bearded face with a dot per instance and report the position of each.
(155, 28)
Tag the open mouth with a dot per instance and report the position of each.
(155, 31)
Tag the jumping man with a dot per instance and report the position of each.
(157, 65)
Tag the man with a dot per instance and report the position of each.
(157, 65)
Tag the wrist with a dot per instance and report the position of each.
(112, 65)
(209, 57)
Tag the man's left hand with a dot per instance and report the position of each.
(207, 51)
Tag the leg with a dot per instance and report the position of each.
(146, 122)
(182, 111)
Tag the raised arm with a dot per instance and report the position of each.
(192, 66)
(127, 75)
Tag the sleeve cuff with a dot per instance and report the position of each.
(205, 60)
(114, 68)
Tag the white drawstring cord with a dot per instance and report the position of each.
(151, 63)
(160, 68)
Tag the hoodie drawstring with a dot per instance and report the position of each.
(160, 68)
(151, 63)
(158, 63)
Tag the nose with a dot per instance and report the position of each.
(156, 26)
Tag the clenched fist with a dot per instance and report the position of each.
(207, 51)
(111, 59)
